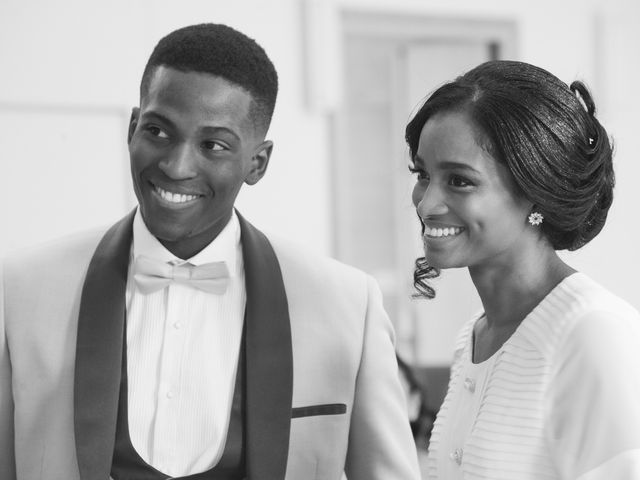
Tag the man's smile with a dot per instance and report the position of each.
(175, 198)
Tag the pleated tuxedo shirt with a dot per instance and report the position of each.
(182, 356)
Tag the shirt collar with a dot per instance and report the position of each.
(225, 247)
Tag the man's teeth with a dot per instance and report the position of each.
(175, 197)
(441, 232)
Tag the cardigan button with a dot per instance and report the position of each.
(456, 456)
(470, 384)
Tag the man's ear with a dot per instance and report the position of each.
(259, 162)
(133, 123)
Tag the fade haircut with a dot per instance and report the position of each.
(222, 51)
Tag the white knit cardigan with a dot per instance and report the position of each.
(559, 400)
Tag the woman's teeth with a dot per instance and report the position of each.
(175, 197)
(441, 232)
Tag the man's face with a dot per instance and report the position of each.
(192, 145)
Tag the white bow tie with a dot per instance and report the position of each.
(151, 275)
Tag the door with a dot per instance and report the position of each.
(391, 63)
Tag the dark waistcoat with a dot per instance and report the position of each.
(128, 465)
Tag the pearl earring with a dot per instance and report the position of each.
(536, 218)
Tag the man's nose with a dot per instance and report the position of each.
(180, 163)
(431, 202)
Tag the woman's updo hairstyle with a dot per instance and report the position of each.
(546, 133)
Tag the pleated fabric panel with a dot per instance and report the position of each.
(507, 435)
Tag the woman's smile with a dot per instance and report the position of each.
(439, 232)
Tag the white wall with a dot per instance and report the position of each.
(71, 58)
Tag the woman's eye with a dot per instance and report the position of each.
(215, 146)
(458, 181)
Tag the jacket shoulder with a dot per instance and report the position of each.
(296, 260)
(72, 252)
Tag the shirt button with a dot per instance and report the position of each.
(470, 384)
(177, 325)
(170, 394)
(456, 456)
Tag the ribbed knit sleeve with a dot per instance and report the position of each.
(593, 399)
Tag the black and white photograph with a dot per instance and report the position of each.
(319, 240)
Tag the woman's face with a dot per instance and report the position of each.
(467, 200)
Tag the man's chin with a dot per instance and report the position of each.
(181, 232)
(162, 222)
(169, 233)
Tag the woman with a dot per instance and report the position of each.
(512, 165)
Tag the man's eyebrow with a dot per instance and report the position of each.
(216, 129)
(159, 116)
(204, 129)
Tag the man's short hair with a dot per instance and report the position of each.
(224, 52)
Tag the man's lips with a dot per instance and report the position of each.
(175, 197)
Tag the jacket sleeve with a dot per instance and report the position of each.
(7, 457)
(381, 446)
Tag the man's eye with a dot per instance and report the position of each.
(458, 181)
(156, 131)
(215, 146)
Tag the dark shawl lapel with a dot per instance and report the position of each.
(99, 351)
(269, 363)
(269, 358)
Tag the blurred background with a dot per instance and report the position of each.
(351, 73)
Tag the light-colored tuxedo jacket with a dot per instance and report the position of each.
(322, 389)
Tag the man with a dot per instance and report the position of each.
(182, 343)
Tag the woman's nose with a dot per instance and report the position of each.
(429, 201)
